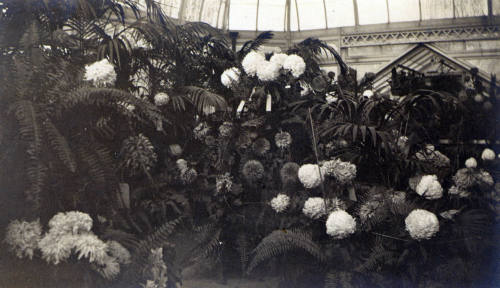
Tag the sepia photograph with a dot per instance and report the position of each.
(249, 143)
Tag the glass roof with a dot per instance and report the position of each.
(299, 15)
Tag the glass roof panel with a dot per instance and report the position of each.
(436, 9)
(243, 15)
(372, 11)
(210, 11)
(311, 14)
(294, 18)
(339, 13)
(496, 7)
(470, 8)
(192, 11)
(271, 15)
(403, 10)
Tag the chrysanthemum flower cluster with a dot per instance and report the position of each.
(340, 224)
(343, 172)
(261, 146)
(138, 154)
(255, 64)
(421, 224)
(201, 130)
(230, 77)
(466, 178)
(283, 139)
(317, 207)
(101, 73)
(223, 183)
(253, 170)
(488, 155)
(429, 187)
(288, 173)
(295, 64)
(69, 233)
(433, 157)
(226, 129)
(22, 237)
(252, 61)
(310, 176)
(161, 99)
(280, 202)
(268, 71)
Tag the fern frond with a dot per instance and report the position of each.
(242, 246)
(59, 144)
(203, 99)
(29, 129)
(338, 279)
(280, 241)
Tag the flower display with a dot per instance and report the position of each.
(261, 146)
(471, 163)
(119, 252)
(90, 246)
(161, 99)
(488, 155)
(317, 207)
(340, 224)
(343, 172)
(230, 77)
(429, 187)
(226, 129)
(280, 202)
(252, 61)
(253, 170)
(181, 164)
(138, 154)
(283, 139)
(279, 58)
(295, 64)
(223, 183)
(421, 224)
(101, 73)
(268, 71)
(368, 209)
(22, 237)
(56, 249)
(310, 176)
(71, 222)
(458, 191)
(189, 175)
(288, 173)
(433, 157)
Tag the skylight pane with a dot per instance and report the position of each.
(311, 14)
(470, 8)
(170, 7)
(403, 10)
(372, 11)
(294, 24)
(192, 10)
(210, 11)
(242, 15)
(271, 15)
(496, 7)
(436, 9)
(340, 13)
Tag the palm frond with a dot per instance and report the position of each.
(254, 44)
(203, 99)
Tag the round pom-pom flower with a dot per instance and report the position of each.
(22, 237)
(230, 77)
(488, 155)
(471, 163)
(71, 222)
(226, 129)
(161, 99)
(252, 61)
(101, 73)
(317, 207)
(429, 187)
(289, 172)
(280, 202)
(253, 170)
(138, 154)
(261, 146)
(343, 172)
(310, 176)
(223, 183)
(188, 176)
(201, 130)
(283, 139)
(295, 64)
(119, 252)
(279, 59)
(340, 224)
(268, 71)
(421, 224)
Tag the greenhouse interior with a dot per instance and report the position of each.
(249, 143)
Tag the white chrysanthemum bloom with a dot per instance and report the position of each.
(208, 110)
(485, 178)
(22, 237)
(331, 99)
(471, 163)
(181, 164)
(161, 99)
(226, 129)
(429, 187)
(175, 149)
(368, 93)
(317, 207)
(101, 73)
(340, 224)
(295, 64)
(283, 139)
(268, 71)
(252, 61)
(310, 176)
(56, 248)
(72, 222)
(488, 155)
(119, 252)
(280, 202)
(91, 247)
(279, 59)
(422, 224)
(230, 77)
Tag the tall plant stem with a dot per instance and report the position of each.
(315, 149)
